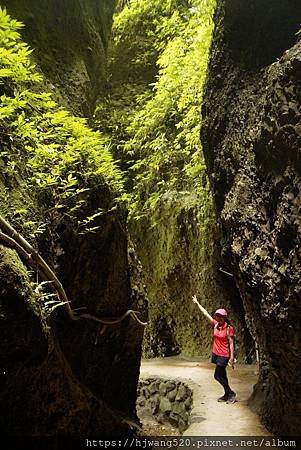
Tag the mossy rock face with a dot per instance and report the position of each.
(179, 253)
(19, 339)
(70, 39)
(253, 157)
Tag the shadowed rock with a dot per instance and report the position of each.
(251, 140)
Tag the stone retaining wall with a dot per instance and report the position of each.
(165, 400)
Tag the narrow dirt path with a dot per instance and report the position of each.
(208, 417)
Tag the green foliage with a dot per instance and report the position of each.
(44, 301)
(151, 118)
(57, 155)
(157, 136)
(14, 54)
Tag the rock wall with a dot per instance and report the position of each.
(69, 38)
(251, 139)
(97, 275)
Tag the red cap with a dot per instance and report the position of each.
(221, 312)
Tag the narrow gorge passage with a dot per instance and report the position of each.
(149, 153)
(208, 417)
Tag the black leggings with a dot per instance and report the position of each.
(220, 375)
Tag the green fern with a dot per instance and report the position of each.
(51, 150)
(157, 134)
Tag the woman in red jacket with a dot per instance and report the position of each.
(222, 350)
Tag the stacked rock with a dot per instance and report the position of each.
(166, 400)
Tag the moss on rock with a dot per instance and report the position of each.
(251, 142)
(69, 39)
(179, 253)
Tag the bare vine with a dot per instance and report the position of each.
(31, 257)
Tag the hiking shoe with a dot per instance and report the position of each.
(224, 398)
(232, 398)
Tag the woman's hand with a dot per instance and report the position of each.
(232, 362)
(206, 314)
(194, 299)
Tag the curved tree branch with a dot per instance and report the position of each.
(39, 263)
(113, 320)
(34, 259)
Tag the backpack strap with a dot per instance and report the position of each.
(228, 331)
(228, 336)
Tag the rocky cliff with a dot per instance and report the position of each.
(251, 138)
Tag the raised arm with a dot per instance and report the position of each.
(204, 311)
